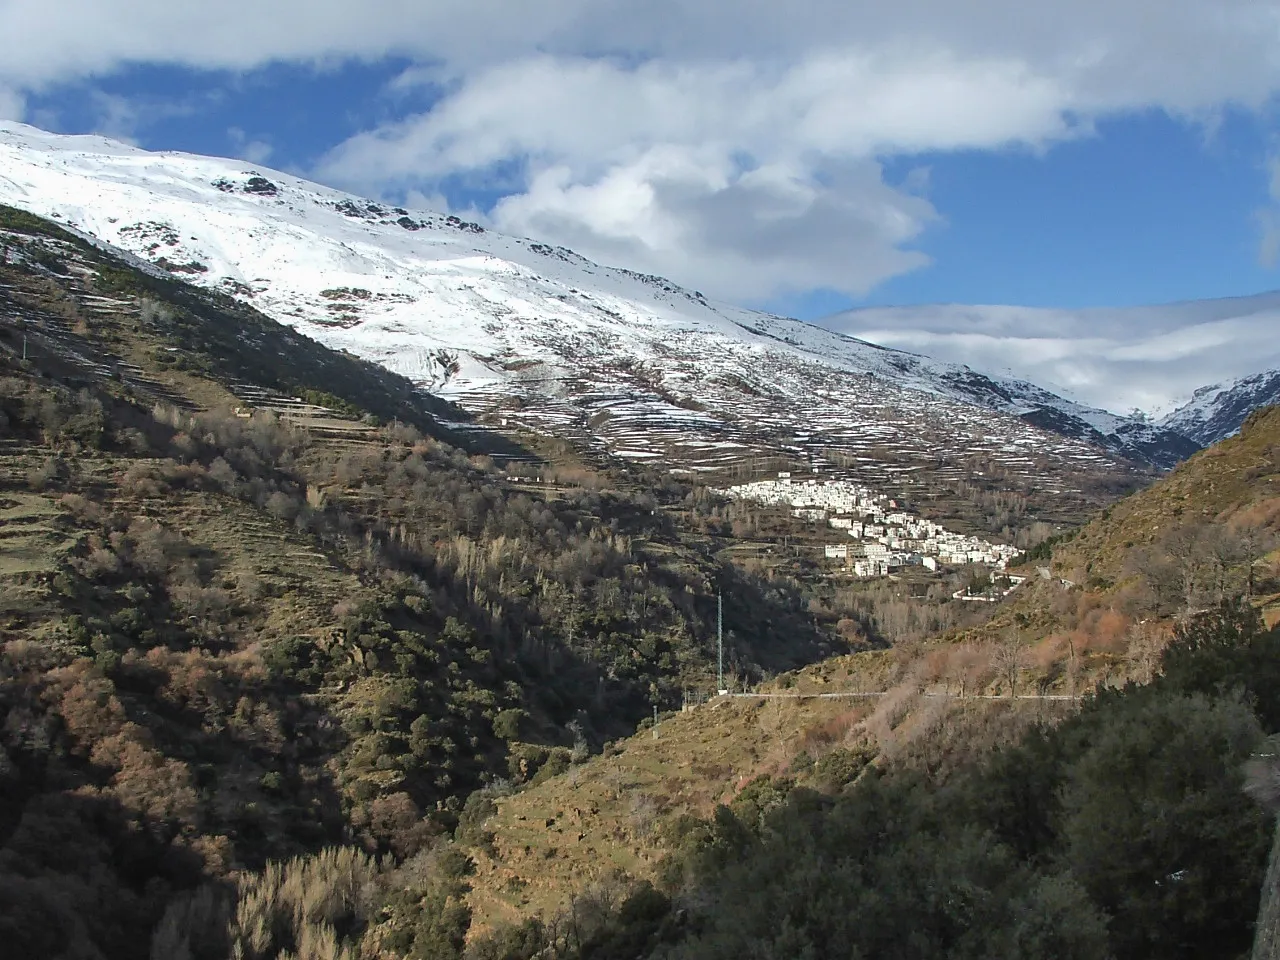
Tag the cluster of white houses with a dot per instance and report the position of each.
(884, 537)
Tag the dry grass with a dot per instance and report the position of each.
(600, 819)
(1235, 482)
(30, 541)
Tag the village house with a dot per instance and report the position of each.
(883, 533)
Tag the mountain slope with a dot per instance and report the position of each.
(553, 341)
(934, 706)
(1215, 412)
(232, 635)
(1111, 588)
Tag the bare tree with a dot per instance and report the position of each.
(1144, 649)
(972, 664)
(1255, 542)
(1008, 659)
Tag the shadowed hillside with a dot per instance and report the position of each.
(255, 600)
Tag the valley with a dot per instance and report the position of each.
(368, 608)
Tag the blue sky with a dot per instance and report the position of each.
(845, 154)
(299, 111)
(1149, 210)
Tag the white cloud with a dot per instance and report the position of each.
(13, 105)
(742, 179)
(1149, 358)
(734, 233)
(847, 104)
(249, 148)
(1189, 53)
(733, 145)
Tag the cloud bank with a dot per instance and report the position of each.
(1145, 358)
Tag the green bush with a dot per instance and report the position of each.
(508, 723)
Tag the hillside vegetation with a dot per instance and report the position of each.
(946, 703)
(1233, 485)
(1103, 599)
(255, 602)
(1118, 830)
(296, 662)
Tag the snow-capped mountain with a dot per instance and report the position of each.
(543, 337)
(1216, 411)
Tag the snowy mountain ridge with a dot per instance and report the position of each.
(1216, 411)
(547, 339)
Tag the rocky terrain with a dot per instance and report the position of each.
(1215, 412)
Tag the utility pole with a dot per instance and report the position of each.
(720, 643)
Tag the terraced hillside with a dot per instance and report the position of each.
(254, 601)
(539, 337)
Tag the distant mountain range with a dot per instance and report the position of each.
(1216, 411)
(540, 337)
(1151, 358)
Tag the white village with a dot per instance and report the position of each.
(883, 536)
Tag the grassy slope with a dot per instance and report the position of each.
(608, 814)
(612, 817)
(1236, 482)
(1237, 477)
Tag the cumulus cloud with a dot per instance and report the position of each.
(735, 233)
(740, 151)
(736, 146)
(1145, 358)
(745, 179)
(1188, 52)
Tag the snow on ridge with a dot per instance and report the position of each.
(475, 315)
(1216, 411)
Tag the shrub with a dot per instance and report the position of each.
(314, 907)
(507, 724)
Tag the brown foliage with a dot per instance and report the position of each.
(393, 823)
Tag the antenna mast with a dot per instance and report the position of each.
(720, 641)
